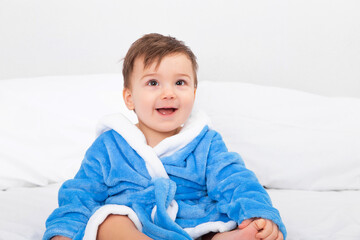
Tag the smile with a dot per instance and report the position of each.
(166, 111)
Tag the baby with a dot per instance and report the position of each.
(170, 176)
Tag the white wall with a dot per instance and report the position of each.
(311, 45)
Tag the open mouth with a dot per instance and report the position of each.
(166, 111)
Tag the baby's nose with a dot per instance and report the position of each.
(168, 93)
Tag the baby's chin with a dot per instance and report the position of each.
(170, 130)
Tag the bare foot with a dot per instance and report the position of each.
(247, 233)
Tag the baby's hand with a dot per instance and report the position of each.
(267, 229)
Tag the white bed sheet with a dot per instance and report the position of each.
(308, 215)
(317, 215)
(23, 211)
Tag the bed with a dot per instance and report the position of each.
(303, 147)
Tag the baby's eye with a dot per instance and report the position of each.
(180, 82)
(152, 83)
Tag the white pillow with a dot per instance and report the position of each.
(290, 139)
(47, 124)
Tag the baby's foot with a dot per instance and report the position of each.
(248, 233)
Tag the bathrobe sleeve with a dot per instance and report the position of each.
(235, 188)
(79, 197)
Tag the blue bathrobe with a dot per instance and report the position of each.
(185, 187)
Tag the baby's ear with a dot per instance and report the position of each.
(127, 95)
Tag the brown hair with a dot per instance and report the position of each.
(153, 47)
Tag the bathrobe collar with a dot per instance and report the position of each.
(136, 139)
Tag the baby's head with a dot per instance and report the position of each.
(159, 84)
(152, 48)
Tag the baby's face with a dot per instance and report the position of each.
(162, 97)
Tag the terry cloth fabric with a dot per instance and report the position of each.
(186, 186)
